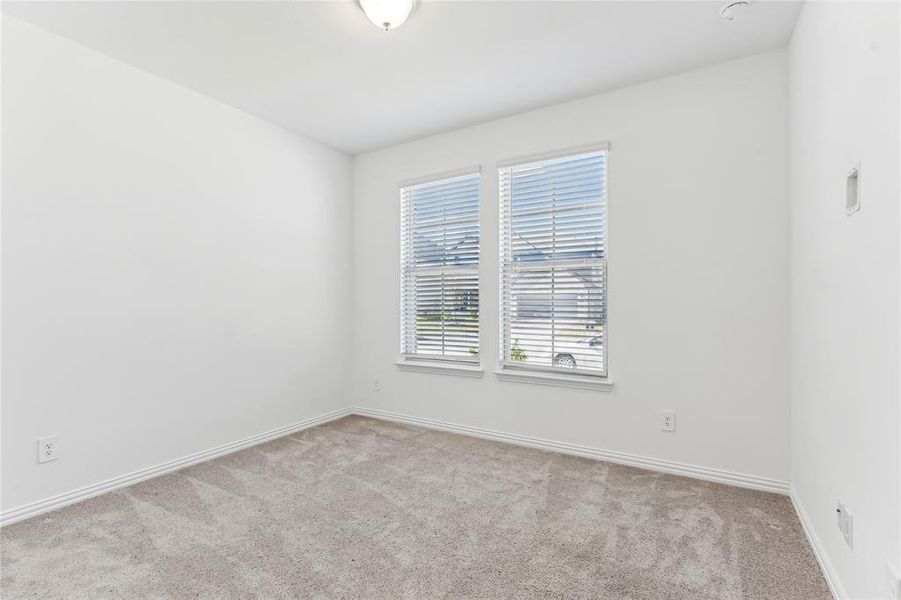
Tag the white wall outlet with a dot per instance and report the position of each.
(845, 522)
(667, 420)
(47, 449)
(849, 529)
(893, 580)
(376, 384)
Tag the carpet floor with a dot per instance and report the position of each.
(361, 508)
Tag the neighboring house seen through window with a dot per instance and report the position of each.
(554, 264)
(440, 269)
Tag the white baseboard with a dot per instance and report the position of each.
(832, 580)
(706, 473)
(42, 506)
(675, 468)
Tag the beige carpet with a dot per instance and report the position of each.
(361, 508)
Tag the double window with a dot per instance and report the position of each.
(553, 266)
(440, 269)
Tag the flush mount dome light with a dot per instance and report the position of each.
(387, 14)
(733, 10)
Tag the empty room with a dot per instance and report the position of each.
(414, 299)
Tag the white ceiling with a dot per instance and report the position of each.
(323, 70)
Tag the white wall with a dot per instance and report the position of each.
(159, 249)
(845, 284)
(698, 212)
(175, 272)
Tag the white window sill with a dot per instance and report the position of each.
(585, 382)
(425, 366)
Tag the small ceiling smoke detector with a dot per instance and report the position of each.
(733, 10)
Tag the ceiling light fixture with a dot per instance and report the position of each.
(387, 14)
(733, 10)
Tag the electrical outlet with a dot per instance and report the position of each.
(893, 580)
(845, 522)
(849, 529)
(47, 449)
(668, 420)
(376, 384)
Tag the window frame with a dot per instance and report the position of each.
(433, 363)
(510, 370)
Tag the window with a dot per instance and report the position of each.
(440, 269)
(554, 264)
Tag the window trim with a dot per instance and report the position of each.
(529, 158)
(441, 367)
(548, 375)
(437, 363)
(471, 170)
(533, 376)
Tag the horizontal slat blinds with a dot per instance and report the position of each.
(554, 264)
(440, 269)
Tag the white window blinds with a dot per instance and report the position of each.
(554, 264)
(440, 269)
